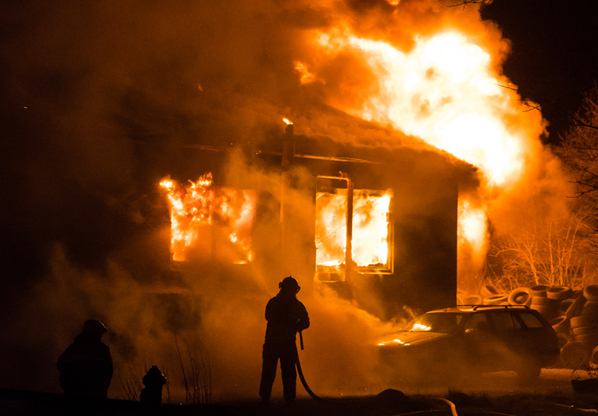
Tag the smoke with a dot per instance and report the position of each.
(204, 312)
(104, 99)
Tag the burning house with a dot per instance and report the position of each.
(370, 193)
(167, 196)
(375, 225)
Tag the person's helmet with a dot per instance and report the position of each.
(94, 326)
(290, 284)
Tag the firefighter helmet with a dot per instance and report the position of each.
(289, 283)
(94, 326)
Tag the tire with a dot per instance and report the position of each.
(590, 308)
(546, 302)
(583, 330)
(591, 293)
(576, 307)
(488, 291)
(565, 305)
(520, 296)
(561, 324)
(539, 290)
(495, 300)
(559, 292)
(557, 321)
(593, 362)
(547, 313)
(591, 338)
(581, 320)
(473, 300)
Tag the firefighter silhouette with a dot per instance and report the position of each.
(86, 365)
(286, 316)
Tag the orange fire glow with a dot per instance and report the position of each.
(445, 91)
(201, 214)
(306, 76)
(472, 227)
(370, 228)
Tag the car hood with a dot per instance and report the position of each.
(411, 338)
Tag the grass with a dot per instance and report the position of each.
(197, 376)
(190, 373)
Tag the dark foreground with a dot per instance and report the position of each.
(555, 395)
(389, 402)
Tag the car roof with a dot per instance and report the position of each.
(479, 308)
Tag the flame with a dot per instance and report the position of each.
(446, 91)
(287, 121)
(392, 341)
(472, 227)
(420, 327)
(306, 77)
(198, 207)
(370, 243)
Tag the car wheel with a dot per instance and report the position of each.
(529, 371)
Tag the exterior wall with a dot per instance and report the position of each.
(424, 221)
(423, 213)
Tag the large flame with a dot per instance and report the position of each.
(443, 91)
(200, 212)
(370, 241)
(446, 92)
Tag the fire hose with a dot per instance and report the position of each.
(300, 372)
(316, 397)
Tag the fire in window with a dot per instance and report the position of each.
(361, 222)
(210, 221)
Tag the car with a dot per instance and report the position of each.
(471, 339)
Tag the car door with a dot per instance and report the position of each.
(507, 342)
(478, 334)
(536, 338)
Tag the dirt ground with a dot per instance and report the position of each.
(493, 394)
(488, 394)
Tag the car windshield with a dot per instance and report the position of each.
(436, 322)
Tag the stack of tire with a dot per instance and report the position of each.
(574, 317)
(547, 301)
(553, 303)
(487, 295)
(584, 325)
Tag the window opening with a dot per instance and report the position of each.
(353, 230)
(210, 221)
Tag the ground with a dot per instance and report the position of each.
(493, 394)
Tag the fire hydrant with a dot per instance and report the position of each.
(153, 381)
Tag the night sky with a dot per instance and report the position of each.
(554, 57)
(98, 100)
